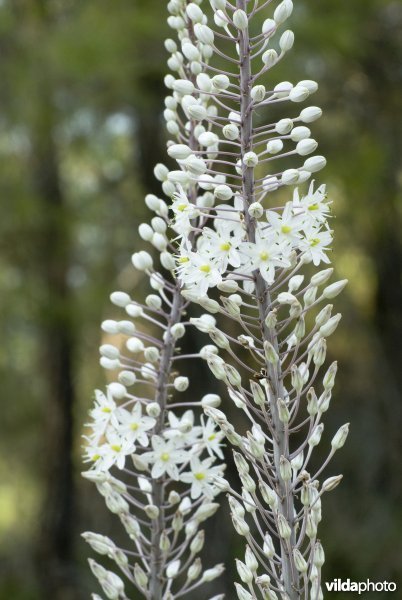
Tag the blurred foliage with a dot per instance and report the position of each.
(81, 98)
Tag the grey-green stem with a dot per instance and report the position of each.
(280, 441)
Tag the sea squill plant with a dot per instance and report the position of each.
(244, 239)
(152, 459)
(264, 247)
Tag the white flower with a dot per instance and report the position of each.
(165, 456)
(182, 429)
(212, 438)
(316, 244)
(133, 425)
(313, 206)
(103, 412)
(198, 272)
(115, 450)
(222, 246)
(184, 212)
(201, 477)
(286, 225)
(265, 254)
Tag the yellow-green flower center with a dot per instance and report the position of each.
(183, 259)
(199, 476)
(286, 229)
(314, 242)
(313, 207)
(205, 268)
(134, 426)
(95, 457)
(165, 456)
(264, 255)
(225, 246)
(181, 207)
(116, 447)
(211, 437)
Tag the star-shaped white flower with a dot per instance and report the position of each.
(165, 457)
(201, 477)
(133, 425)
(265, 254)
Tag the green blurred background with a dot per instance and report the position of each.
(81, 98)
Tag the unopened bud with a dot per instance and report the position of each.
(339, 438)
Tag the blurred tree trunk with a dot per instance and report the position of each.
(56, 528)
(55, 536)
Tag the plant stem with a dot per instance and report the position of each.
(275, 376)
(156, 566)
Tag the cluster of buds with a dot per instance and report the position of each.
(242, 237)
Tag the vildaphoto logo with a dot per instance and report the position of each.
(346, 585)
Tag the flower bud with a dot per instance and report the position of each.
(315, 437)
(284, 126)
(258, 93)
(240, 19)
(270, 353)
(161, 172)
(172, 569)
(285, 469)
(251, 560)
(250, 159)
(331, 483)
(198, 542)
(334, 289)
(283, 527)
(318, 556)
(220, 82)
(269, 495)
(181, 384)
(231, 132)
(300, 563)
(314, 164)
(283, 11)
(274, 146)
(178, 330)
(256, 210)
(290, 176)
(184, 87)
(142, 261)
(310, 114)
(268, 546)
(306, 146)
(194, 12)
(244, 572)
(211, 574)
(117, 390)
(298, 94)
(109, 351)
(153, 409)
(223, 192)
(140, 577)
(320, 352)
(204, 34)
(179, 151)
(269, 58)
(283, 411)
(240, 526)
(330, 326)
(151, 511)
(146, 232)
(339, 438)
(286, 40)
(194, 570)
(300, 133)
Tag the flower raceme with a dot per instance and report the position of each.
(244, 231)
(266, 225)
